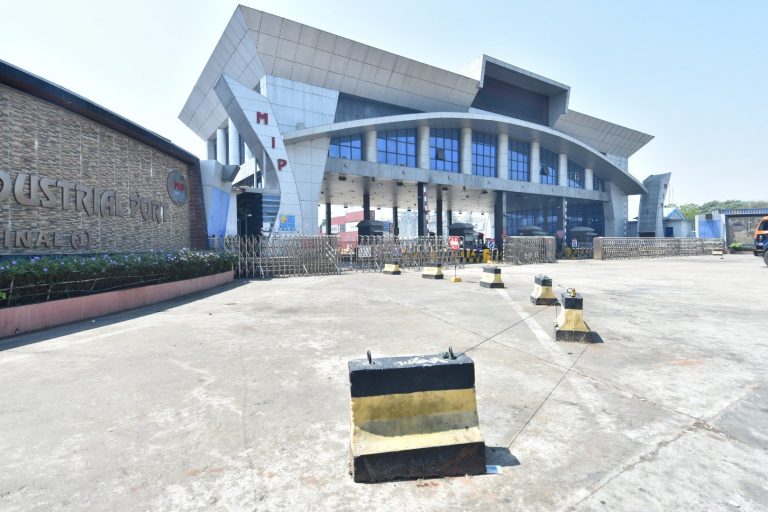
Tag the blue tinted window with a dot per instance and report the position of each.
(348, 146)
(598, 184)
(483, 154)
(575, 175)
(444, 150)
(396, 147)
(589, 215)
(548, 171)
(519, 160)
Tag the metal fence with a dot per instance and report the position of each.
(371, 252)
(632, 248)
(282, 256)
(525, 250)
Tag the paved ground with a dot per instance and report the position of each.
(239, 400)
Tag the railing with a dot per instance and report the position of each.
(525, 250)
(282, 255)
(633, 248)
(371, 252)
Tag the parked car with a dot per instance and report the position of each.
(761, 237)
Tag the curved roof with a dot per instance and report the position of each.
(548, 138)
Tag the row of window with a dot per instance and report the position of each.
(549, 219)
(398, 147)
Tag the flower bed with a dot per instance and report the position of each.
(42, 279)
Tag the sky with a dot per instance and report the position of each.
(692, 73)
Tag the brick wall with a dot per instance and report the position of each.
(45, 141)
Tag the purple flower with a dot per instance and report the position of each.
(13, 262)
(45, 269)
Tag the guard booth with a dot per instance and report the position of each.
(580, 242)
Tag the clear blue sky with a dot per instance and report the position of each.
(692, 73)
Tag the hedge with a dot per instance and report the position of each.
(43, 278)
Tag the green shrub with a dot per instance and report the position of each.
(44, 278)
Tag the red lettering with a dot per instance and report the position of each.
(281, 163)
(273, 143)
(262, 116)
(178, 186)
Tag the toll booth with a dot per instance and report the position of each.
(370, 228)
(466, 231)
(530, 231)
(583, 235)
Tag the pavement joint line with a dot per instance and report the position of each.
(243, 426)
(557, 384)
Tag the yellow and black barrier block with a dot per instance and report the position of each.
(542, 294)
(432, 271)
(570, 320)
(491, 278)
(414, 417)
(392, 268)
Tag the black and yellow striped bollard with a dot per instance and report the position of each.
(432, 271)
(542, 294)
(570, 320)
(392, 268)
(491, 278)
(414, 417)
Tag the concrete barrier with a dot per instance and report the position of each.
(542, 294)
(491, 278)
(414, 417)
(570, 320)
(392, 268)
(432, 271)
(33, 317)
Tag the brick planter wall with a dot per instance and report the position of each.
(33, 317)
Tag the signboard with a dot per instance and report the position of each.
(287, 223)
(177, 187)
(454, 242)
(490, 243)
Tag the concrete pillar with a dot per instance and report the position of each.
(562, 170)
(449, 217)
(233, 144)
(498, 220)
(221, 146)
(589, 179)
(366, 206)
(422, 148)
(465, 154)
(502, 156)
(395, 225)
(369, 146)
(422, 212)
(535, 162)
(248, 154)
(211, 148)
(439, 223)
(328, 218)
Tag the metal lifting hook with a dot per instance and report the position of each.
(571, 292)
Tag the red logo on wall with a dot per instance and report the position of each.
(177, 187)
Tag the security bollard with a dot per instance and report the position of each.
(392, 268)
(491, 278)
(542, 294)
(414, 417)
(570, 321)
(432, 271)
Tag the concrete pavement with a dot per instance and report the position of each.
(239, 399)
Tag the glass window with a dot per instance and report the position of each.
(549, 163)
(483, 154)
(397, 147)
(519, 160)
(598, 184)
(348, 146)
(575, 175)
(444, 150)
